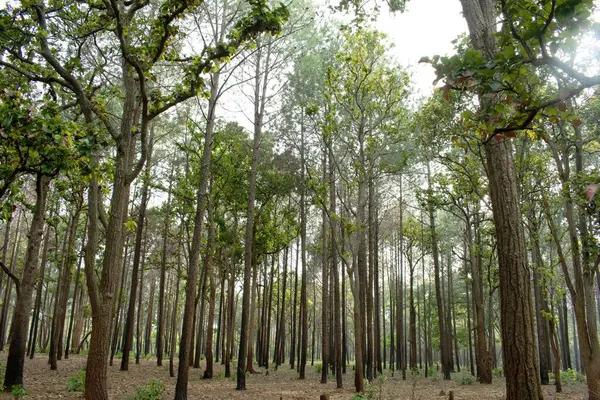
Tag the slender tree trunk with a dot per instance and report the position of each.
(294, 309)
(149, 316)
(117, 324)
(40, 286)
(445, 351)
(325, 283)
(303, 342)
(9, 283)
(260, 92)
(137, 252)
(338, 312)
(75, 292)
(483, 357)
(138, 340)
(174, 312)
(20, 321)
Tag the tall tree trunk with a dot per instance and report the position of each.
(445, 351)
(75, 293)
(137, 252)
(483, 357)
(541, 307)
(518, 344)
(209, 272)
(294, 309)
(174, 312)
(260, 92)
(160, 333)
(60, 309)
(140, 310)
(33, 334)
(325, 283)
(9, 282)
(192, 275)
(120, 297)
(338, 313)
(149, 317)
(303, 342)
(20, 321)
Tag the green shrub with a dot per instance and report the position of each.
(373, 390)
(18, 391)
(153, 390)
(498, 372)
(571, 376)
(318, 367)
(434, 375)
(76, 383)
(464, 378)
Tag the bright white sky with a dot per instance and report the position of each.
(426, 28)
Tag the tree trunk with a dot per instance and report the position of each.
(139, 231)
(260, 92)
(20, 321)
(444, 329)
(518, 344)
(174, 312)
(325, 283)
(483, 357)
(337, 324)
(294, 309)
(192, 275)
(75, 293)
(163, 270)
(40, 286)
(303, 342)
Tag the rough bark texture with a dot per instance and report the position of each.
(519, 352)
(518, 344)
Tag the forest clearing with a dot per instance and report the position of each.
(300, 199)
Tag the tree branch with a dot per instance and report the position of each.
(11, 275)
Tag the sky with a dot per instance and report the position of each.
(426, 28)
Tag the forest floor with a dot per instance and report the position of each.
(42, 383)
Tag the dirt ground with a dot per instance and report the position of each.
(42, 383)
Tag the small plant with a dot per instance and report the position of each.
(372, 390)
(318, 367)
(435, 375)
(18, 391)
(76, 382)
(153, 390)
(465, 378)
(571, 376)
(498, 372)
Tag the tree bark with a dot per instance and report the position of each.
(518, 344)
(139, 231)
(20, 322)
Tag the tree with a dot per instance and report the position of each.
(116, 23)
(496, 64)
(41, 143)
